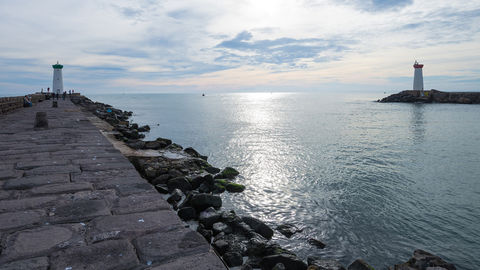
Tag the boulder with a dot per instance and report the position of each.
(207, 234)
(279, 266)
(234, 187)
(288, 229)
(423, 260)
(161, 179)
(203, 201)
(290, 262)
(175, 197)
(179, 182)
(229, 173)
(208, 217)
(314, 242)
(144, 128)
(212, 170)
(192, 152)
(164, 142)
(187, 213)
(359, 264)
(233, 259)
(136, 144)
(325, 264)
(219, 227)
(161, 188)
(221, 246)
(259, 227)
(152, 145)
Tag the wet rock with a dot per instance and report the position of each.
(164, 142)
(162, 188)
(136, 144)
(423, 260)
(144, 128)
(279, 266)
(187, 213)
(218, 188)
(288, 229)
(174, 146)
(208, 217)
(221, 246)
(150, 173)
(290, 262)
(204, 188)
(192, 152)
(175, 197)
(254, 262)
(161, 179)
(219, 227)
(212, 170)
(229, 173)
(207, 234)
(196, 182)
(203, 201)
(179, 182)
(152, 145)
(359, 264)
(234, 187)
(246, 267)
(259, 227)
(174, 173)
(325, 264)
(317, 243)
(233, 259)
(257, 246)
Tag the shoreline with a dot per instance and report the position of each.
(191, 185)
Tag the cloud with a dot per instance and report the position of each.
(242, 49)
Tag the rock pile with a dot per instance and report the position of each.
(410, 96)
(191, 185)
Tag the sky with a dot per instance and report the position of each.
(147, 46)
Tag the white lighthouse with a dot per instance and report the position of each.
(418, 77)
(57, 87)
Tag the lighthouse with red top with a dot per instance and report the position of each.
(418, 77)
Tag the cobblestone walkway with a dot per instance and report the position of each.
(69, 200)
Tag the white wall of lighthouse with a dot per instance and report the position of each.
(418, 76)
(57, 86)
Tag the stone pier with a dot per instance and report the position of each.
(69, 200)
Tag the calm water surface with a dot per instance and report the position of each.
(371, 180)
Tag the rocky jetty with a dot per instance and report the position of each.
(191, 186)
(434, 96)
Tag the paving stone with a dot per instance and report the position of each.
(108, 195)
(53, 169)
(78, 211)
(139, 187)
(40, 263)
(42, 241)
(61, 188)
(33, 181)
(163, 246)
(139, 203)
(10, 174)
(203, 261)
(107, 166)
(26, 203)
(131, 225)
(22, 219)
(4, 194)
(27, 165)
(96, 160)
(104, 176)
(106, 255)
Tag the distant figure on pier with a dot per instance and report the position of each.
(64, 95)
(27, 102)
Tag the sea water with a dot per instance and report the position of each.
(370, 180)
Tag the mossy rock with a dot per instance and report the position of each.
(218, 188)
(229, 172)
(234, 187)
(222, 182)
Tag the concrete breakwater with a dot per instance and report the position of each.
(190, 185)
(434, 96)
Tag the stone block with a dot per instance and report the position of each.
(22, 219)
(10, 174)
(41, 120)
(105, 176)
(107, 255)
(164, 246)
(131, 225)
(53, 170)
(4, 194)
(33, 181)
(27, 165)
(107, 166)
(39, 263)
(108, 195)
(61, 188)
(78, 211)
(42, 241)
(203, 261)
(137, 203)
(26, 203)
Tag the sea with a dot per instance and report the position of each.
(370, 180)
